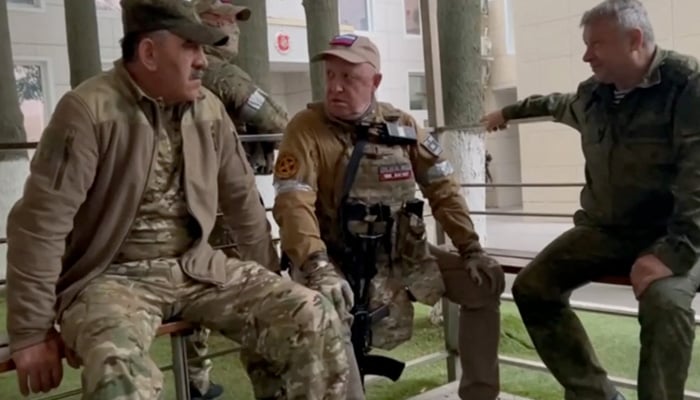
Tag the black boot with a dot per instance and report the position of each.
(214, 392)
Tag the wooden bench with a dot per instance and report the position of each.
(513, 261)
(178, 331)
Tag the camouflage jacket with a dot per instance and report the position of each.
(642, 154)
(246, 103)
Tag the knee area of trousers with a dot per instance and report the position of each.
(524, 288)
(662, 300)
(313, 312)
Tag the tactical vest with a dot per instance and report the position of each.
(384, 184)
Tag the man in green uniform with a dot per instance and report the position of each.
(640, 208)
(251, 110)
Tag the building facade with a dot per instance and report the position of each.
(42, 69)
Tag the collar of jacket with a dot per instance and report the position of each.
(651, 78)
(373, 113)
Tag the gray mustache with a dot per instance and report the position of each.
(197, 74)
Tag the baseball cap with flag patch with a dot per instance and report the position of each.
(353, 49)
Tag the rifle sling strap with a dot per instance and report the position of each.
(353, 166)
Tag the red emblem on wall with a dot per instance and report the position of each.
(282, 42)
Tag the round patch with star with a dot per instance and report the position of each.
(286, 166)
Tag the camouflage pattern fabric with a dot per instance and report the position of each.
(245, 101)
(199, 371)
(163, 226)
(252, 110)
(161, 229)
(415, 272)
(295, 330)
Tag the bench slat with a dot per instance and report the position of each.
(513, 261)
(168, 328)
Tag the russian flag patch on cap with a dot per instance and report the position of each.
(346, 40)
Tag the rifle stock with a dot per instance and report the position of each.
(383, 366)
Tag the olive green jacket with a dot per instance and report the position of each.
(642, 155)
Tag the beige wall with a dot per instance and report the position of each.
(549, 49)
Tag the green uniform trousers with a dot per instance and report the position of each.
(579, 256)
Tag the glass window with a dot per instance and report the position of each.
(29, 3)
(107, 5)
(510, 30)
(412, 16)
(418, 97)
(30, 78)
(356, 13)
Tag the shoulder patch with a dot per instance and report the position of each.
(286, 166)
(432, 145)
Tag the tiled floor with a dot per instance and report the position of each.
(449, 392)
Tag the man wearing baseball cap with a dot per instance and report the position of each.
(110, 238)
(345, 179)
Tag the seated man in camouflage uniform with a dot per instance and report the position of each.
(345, 179)
(252, 111)
(110, 238)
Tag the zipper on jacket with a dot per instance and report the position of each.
(189, 209)
(145, 185)
(58, 182)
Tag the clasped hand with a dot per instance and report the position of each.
(322, 277)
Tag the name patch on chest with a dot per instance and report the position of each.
(395, 172)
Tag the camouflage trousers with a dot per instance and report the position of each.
(577, 257)
(199, 370)
(293, 331)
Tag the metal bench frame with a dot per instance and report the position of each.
(178, 331)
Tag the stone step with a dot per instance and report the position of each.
(449, 392)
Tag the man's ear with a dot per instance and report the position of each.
(377, 80)
(636, 39)
(147, 53)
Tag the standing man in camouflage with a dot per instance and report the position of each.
(640, 208)
(110, 238)
(252, 110)
(350, 164)
(249, 106)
